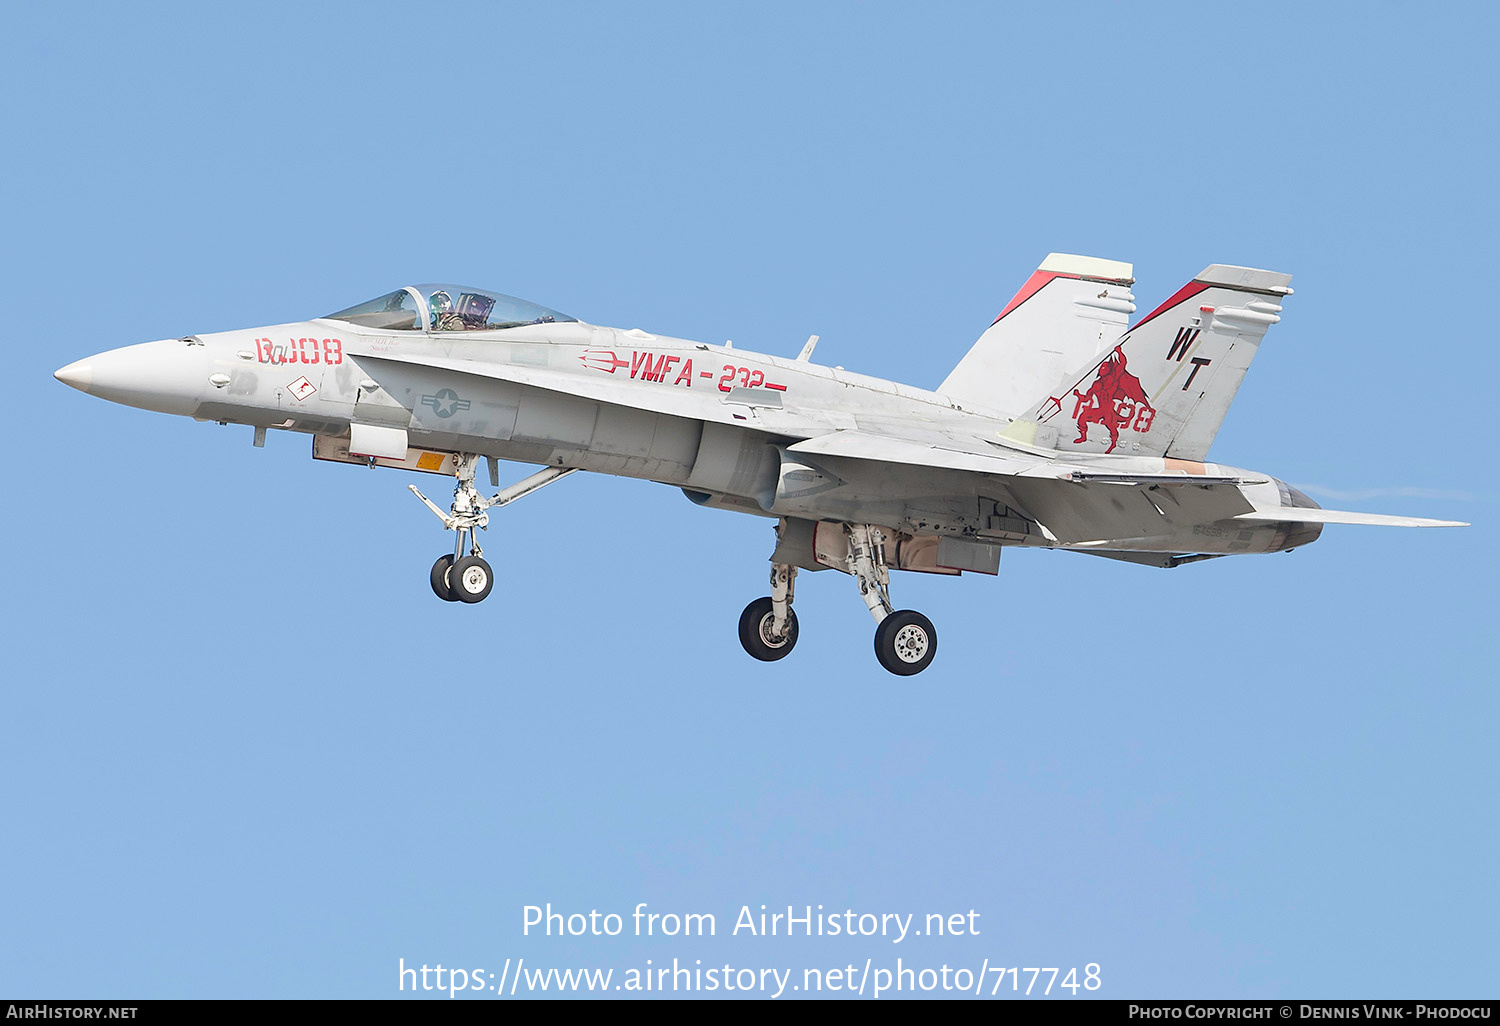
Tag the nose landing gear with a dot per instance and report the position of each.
(461, 578)
(468, 579)
(471, 578)
(439, 577)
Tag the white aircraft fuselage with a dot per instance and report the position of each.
(710, 419)
(862, 474)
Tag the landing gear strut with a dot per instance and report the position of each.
(768, 627)
(905, 640)
(469, 578)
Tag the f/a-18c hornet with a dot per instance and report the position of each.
(1060, 428)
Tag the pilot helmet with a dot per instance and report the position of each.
(441, 302)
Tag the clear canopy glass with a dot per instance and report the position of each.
(442, 307)
(398, 311)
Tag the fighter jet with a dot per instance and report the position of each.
(1062, 428)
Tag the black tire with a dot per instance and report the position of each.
(440, 586)
(755, 621)
(471, 579)
(905, 642)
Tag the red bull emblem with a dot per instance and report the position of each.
(1115, 399)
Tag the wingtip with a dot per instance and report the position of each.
(1088, 267)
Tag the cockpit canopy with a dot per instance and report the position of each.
(441, 307)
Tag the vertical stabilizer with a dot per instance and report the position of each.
(1071, 309)
(1163, 389)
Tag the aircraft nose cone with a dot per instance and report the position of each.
(79, 375)
(169, 376)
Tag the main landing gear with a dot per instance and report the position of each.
(905, 640)
(461, 578)
(768, 627)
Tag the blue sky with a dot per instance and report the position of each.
(247, 753)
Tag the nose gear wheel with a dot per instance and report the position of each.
(440, 585)
(469, 578)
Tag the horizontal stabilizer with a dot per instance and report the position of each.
(1337, 516)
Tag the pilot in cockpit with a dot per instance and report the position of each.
(440, 306)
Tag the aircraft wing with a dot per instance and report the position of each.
(954, 453)
(863, 445)
(1084, 511)
(1072, 502)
